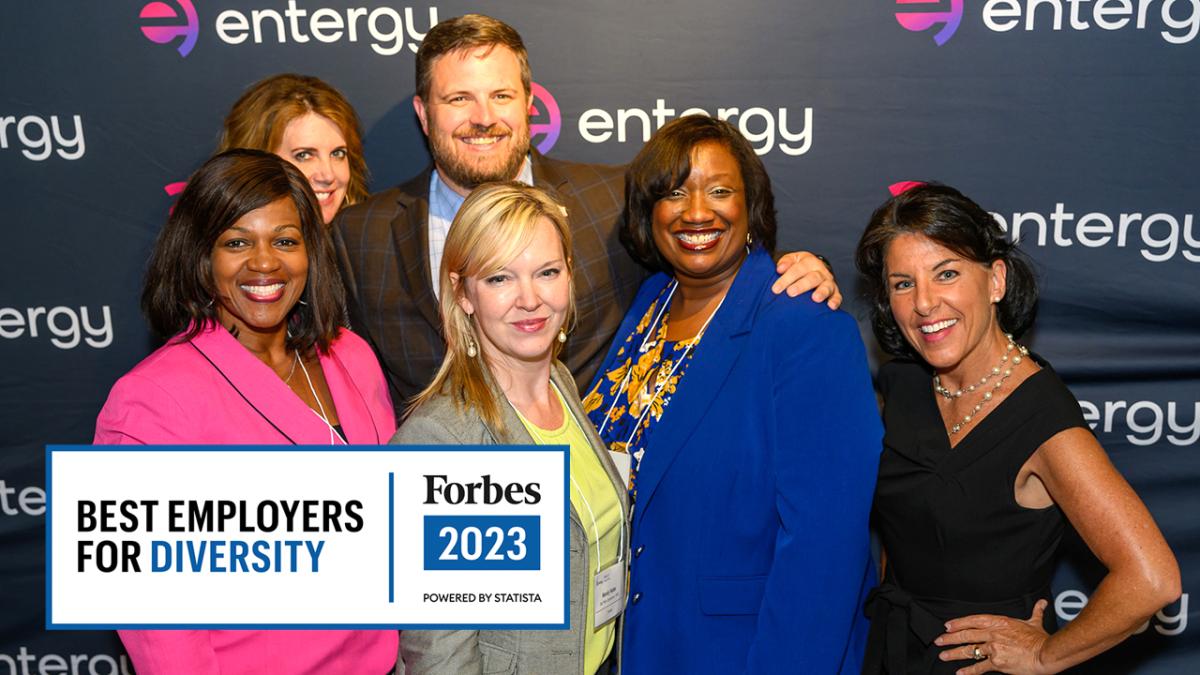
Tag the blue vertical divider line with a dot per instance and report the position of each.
(391, 537)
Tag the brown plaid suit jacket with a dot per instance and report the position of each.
(383, 249)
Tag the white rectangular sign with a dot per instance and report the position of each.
(275, 536)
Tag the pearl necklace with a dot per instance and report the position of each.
(1002, 370)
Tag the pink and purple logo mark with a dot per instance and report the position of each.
(158, 30)
(933, 13)
(545, 120)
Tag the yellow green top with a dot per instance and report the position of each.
(596, 502)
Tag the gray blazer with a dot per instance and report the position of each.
(557, 652)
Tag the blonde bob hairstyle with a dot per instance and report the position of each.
(495, 224)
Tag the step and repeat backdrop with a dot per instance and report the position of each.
(1074, 121)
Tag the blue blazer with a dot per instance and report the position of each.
(750, 543)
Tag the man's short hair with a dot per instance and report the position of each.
(467, 32)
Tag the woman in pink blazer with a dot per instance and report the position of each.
(243, 283)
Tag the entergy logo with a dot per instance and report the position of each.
(932, 14)
(545, 120)
(161, 32)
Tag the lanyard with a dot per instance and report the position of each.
(334, 436)
(645, 346)
(582, 497)
(596, 527)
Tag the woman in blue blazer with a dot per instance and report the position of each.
(749, 426)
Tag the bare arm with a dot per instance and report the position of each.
(1143, 575)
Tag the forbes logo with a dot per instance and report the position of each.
(440, 490)
(159, 31)
(931, 13)
(545, 120)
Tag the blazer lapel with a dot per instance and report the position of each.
(545, 176)
(711, 364)
(410, 232)
(515, 432)
(260, 387)
(566, 384)
(354, 414)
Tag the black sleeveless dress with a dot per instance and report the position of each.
(957, 542)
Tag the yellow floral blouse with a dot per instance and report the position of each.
(627, 402)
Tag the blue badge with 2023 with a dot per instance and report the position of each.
(286, 536)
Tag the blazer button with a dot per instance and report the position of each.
(636, 598)
(638, 553)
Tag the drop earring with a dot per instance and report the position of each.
(472, 350)
(562, 335)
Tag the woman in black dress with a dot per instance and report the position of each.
(986, 456)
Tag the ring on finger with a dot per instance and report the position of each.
(977, 654)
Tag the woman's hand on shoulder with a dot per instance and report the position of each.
(801, 272)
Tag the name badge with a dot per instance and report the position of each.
(623, 462)
(609, 593)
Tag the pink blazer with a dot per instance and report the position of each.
(212, 390)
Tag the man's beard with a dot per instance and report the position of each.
(470, 175)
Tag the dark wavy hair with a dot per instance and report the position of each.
(951, 219)
(664, 164)
(178, 295)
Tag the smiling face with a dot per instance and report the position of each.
(943, 304)
(315, 144)
(519, 309)
(259, 268)
(700, 227)
(476, 116)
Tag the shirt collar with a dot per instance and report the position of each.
(444, 202)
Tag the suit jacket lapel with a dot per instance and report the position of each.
(410, 231)
(703, 380)
(260, 387)
(544, 174)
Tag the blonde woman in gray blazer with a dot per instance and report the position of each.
(506, 301)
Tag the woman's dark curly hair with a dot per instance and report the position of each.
(952, 220)
(178, 294)
(664, 164)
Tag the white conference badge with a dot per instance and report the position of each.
(148, 537)
(623, 462)
(609, 593)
